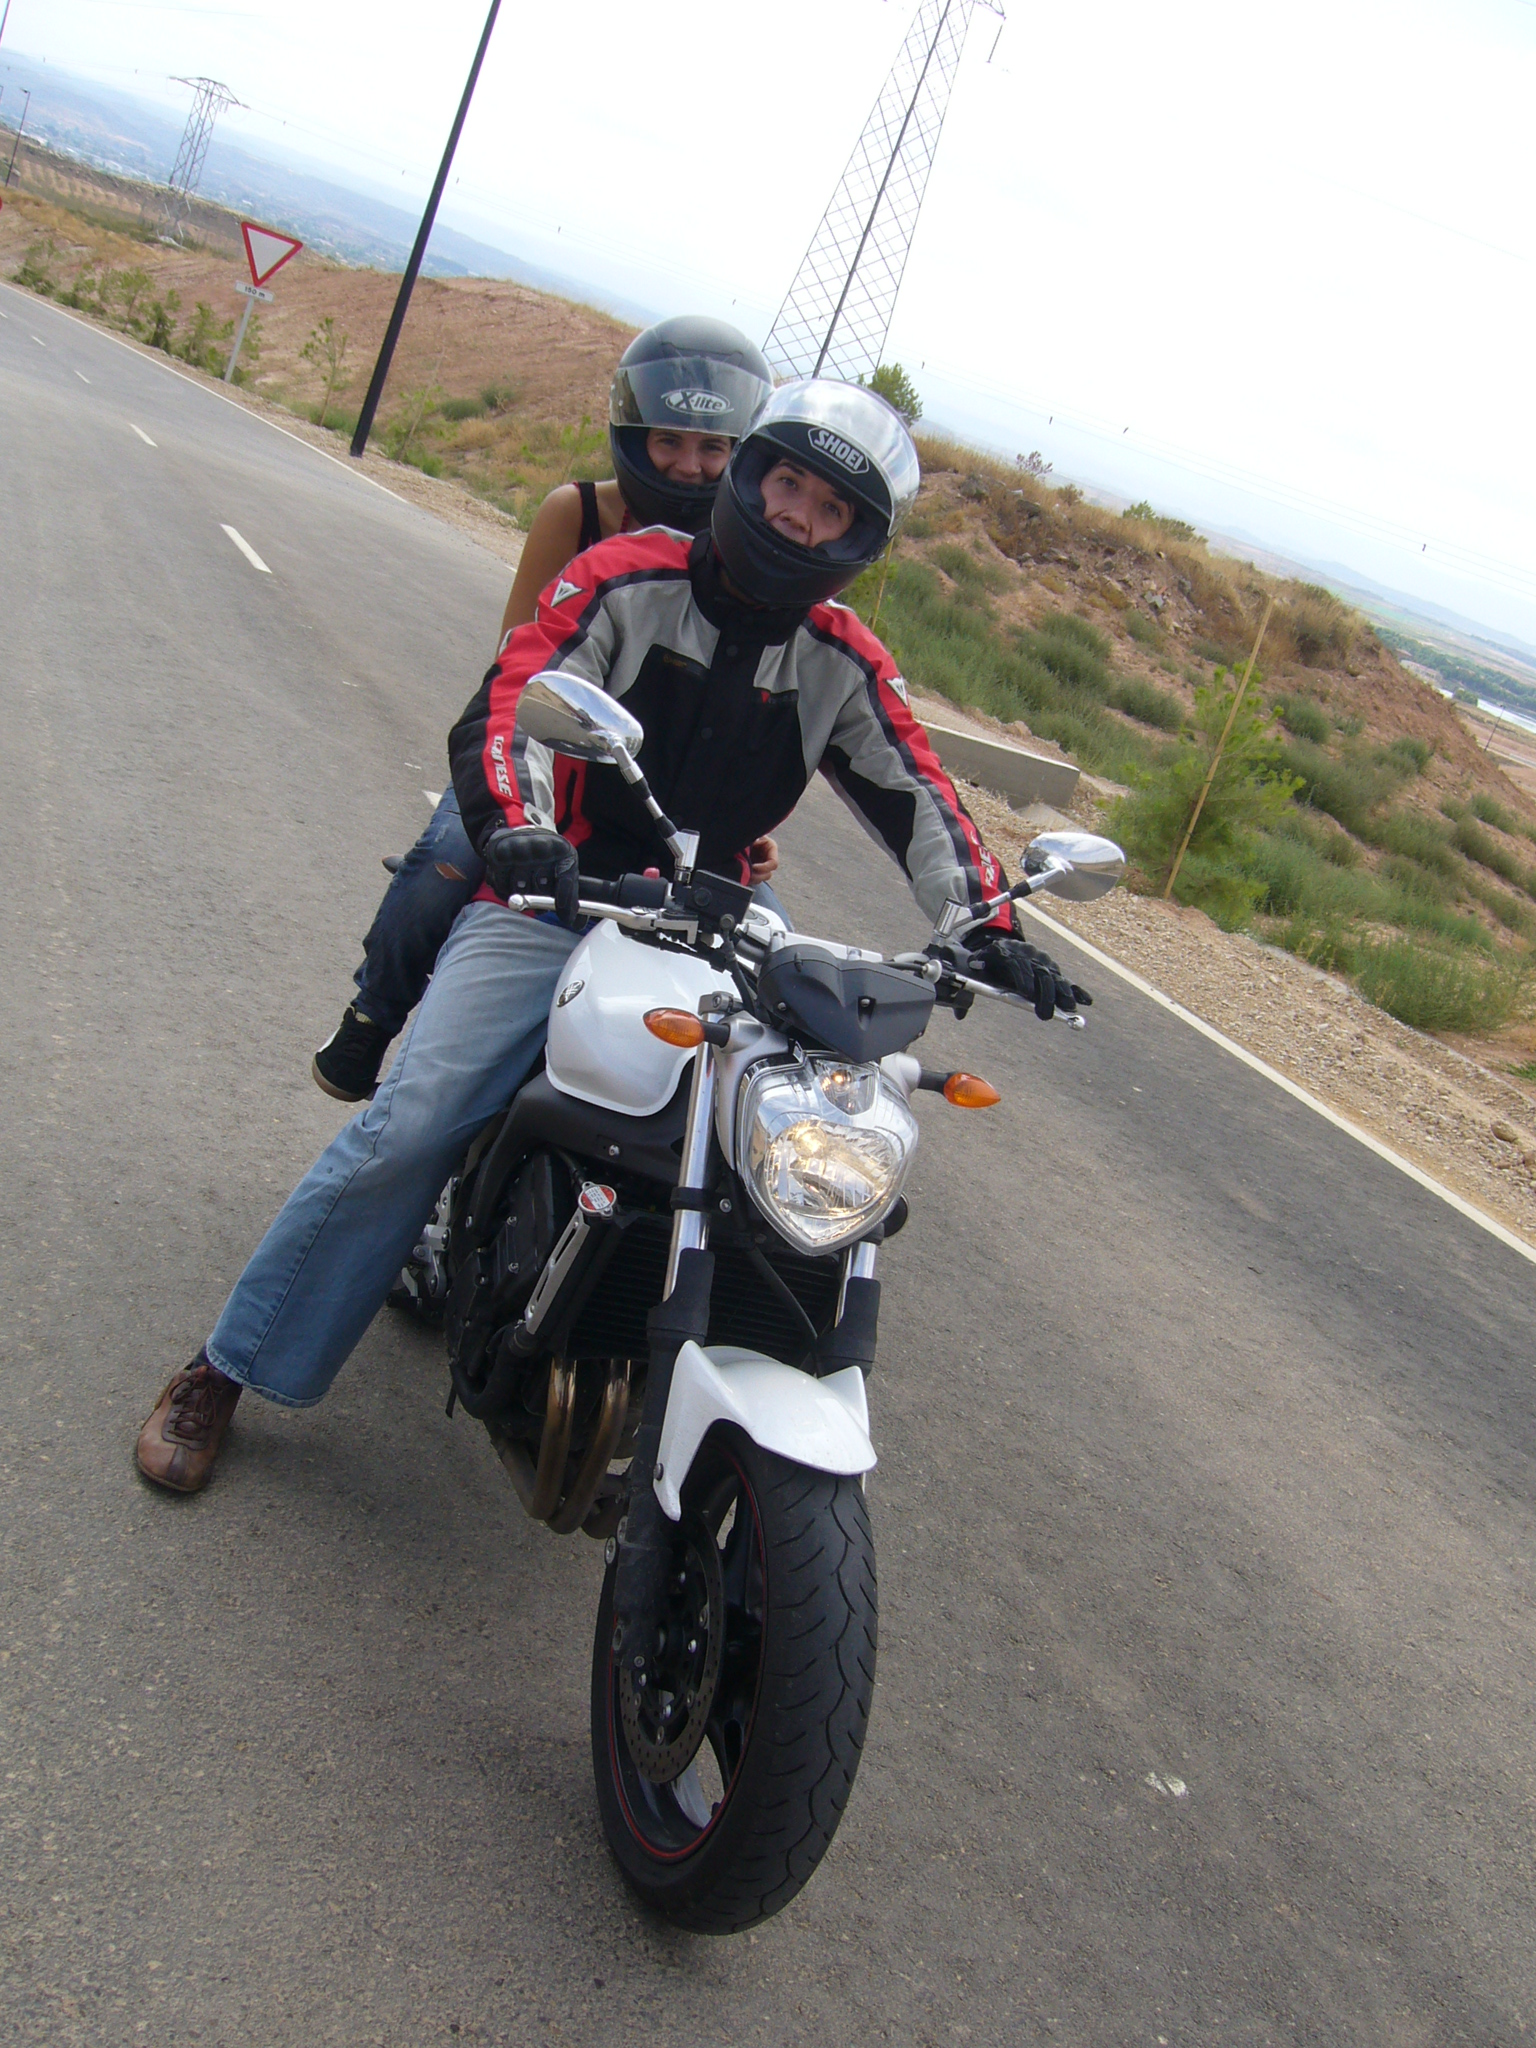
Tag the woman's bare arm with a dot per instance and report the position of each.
(550, 545)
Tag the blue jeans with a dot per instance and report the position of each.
(415, 918)
(320, 1275)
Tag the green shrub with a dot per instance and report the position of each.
(1493, 813)
(205, 343)
(1172, 529)
(159, 323)
(1418, 838)
(36, 271)
(499, 397)
(1348, 790)
(1056, 680)
(457, 409)
(968, 570)
(1249, 793)
(1436, 991)
(1143, 700)
(1409, 756)
(1304, 718)
(1141, 628)
(1476, 844)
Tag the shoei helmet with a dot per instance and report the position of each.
(851, 439)
(690, 373)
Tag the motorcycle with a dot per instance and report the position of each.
(656, 1274)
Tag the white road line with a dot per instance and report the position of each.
(82, 376)
(149, 444)
(4, 316)
(1322, 1109)
(40, 341)
(248, 551)
(159, 362)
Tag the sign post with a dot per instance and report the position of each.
(266, 251)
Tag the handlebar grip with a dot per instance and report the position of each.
(627, 892)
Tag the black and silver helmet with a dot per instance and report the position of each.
(691, 373)
(854, 441)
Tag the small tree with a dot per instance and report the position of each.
(326, 348)
(201, 345)
(417, 409)
(159, 323)
(129, 286)
(1034, 463)
(892, 383)
(1250, 791)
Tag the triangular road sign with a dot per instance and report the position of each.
(266, 250)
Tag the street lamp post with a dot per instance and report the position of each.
(27, 97)
(407, 283)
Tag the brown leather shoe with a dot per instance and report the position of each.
(181, 1439)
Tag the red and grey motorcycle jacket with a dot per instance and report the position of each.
(740, 706)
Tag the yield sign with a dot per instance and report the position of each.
(266, 250)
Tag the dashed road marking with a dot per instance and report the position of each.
(40, 341)
(149, 444)
(82, 376)
(247, 550)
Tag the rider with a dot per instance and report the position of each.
(684, 393)
(746, 680)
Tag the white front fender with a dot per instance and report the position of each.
(821, 1423)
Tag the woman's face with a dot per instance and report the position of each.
(804, 508)
(685, 457)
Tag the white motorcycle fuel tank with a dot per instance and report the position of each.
(599, 1049)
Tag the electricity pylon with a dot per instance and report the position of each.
(836, 314)
(211, 101)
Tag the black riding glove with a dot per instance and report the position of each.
(1017, 965)
(525, 860)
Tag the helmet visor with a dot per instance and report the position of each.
(694, 393)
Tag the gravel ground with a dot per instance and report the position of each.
(1473, 1128)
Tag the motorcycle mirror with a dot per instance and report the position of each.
(575, 717)
(1076, 865)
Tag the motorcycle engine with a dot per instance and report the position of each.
(490, 1287)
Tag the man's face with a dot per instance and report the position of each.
(686, 457)
(803, 507)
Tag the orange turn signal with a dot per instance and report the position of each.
(966, 1091)
(677, 1027)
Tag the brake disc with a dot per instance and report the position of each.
(665, 1710)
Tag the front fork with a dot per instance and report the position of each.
(645, 1537)
(645, 1534)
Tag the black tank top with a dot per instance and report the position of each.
(591, 524)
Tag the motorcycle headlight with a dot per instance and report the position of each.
(823, 1147)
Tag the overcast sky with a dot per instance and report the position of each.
(1273, 268)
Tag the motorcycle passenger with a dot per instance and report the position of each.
(747, 679)
(683, 394)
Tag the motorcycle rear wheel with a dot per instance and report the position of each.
(732, 1840)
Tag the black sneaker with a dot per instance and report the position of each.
(347, 1065)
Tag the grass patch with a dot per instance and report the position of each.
(1141, 629)
(1057, 678)
(968, 570)
(1146, 702)
(1435, 991)
(1304, 719)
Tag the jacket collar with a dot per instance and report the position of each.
(766, 624)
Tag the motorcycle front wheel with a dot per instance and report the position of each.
(763, 1679)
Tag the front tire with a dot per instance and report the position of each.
(732, 1839)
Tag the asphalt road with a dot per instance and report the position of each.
(1204, 1505)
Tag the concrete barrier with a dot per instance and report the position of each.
(1020, 778)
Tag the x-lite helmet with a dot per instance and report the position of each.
(851, 439)
(692, 374)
